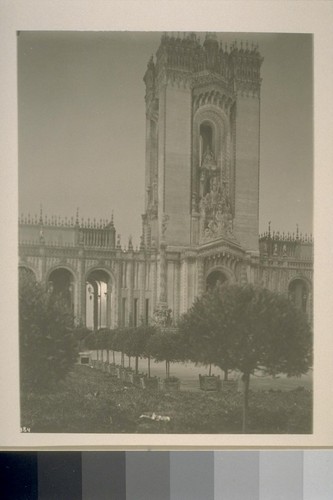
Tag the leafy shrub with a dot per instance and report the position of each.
(47, 344)
(93, 401)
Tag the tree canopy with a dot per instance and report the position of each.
(47, 345)
(166, 345)
(247, 329)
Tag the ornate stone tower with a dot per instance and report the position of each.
(202, 143)
(200, 224)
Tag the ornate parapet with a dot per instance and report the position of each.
(245, 65)
(276, 246)
(65, 232)
(185, 60)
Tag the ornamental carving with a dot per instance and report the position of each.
(248, 88)
(152, 210)
(215, 97)
(180, 78)
(162, 315)
(214, 206)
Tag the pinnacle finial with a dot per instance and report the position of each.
(269, 228)
(118, 241)
(297, 231)
(130, 244)
(77, 217)
(112, 224)
(41, 214)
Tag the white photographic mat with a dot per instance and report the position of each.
(97, 24)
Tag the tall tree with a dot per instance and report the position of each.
(248, 329)
(168, 346)
(137, 341)
(205, 331)
(47, 344)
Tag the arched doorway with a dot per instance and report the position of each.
(298, 293)
(98, 300)
(214, 279)
(61, 285)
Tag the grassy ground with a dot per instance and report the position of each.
(90, 401)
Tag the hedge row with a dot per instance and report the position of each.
(144, 341)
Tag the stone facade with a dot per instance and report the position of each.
(200, 223)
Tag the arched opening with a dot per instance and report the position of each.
(61, 285)
(215, 278)
(298, 294)
(98, 300)
(206, 139)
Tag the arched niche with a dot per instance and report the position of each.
(212, 135)
(215, 278)
(206, 138)
(60, 284)
(98, 299)
(298, 293)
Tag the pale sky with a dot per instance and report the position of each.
(82, 126)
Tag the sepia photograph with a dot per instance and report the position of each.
(165, 232)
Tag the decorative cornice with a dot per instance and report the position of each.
(213, 97)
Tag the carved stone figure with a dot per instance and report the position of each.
(208, 159)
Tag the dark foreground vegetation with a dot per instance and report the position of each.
(91, 401)
(243, 329)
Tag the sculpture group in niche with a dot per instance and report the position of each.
(214, 205)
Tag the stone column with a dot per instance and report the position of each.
(117, 294)
(200, 280)
(130, 286)
(153, 270)
(108, 304)
(42, 260)
(163, 274)
(176, 312)
(81, 292)
(142, 289)
(183, 286)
